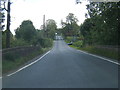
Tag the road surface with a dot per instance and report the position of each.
(65, 67)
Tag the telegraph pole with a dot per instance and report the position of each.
(44, 22)
(8, 25)
(44, 25)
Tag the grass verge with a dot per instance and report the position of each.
(8, 66)
(99, 51)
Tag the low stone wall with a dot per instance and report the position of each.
(11, 53)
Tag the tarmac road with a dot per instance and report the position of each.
(65, 67)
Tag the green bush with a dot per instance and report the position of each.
(47, 42)
(43, 42)
(69, 39)
(10, 56)
(78, 43)
(19, 42)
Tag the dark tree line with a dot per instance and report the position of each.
(103, 25)
(26, 35)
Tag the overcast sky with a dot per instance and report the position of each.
(53, 9)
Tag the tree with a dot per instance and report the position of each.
(70, 27)
(51, 28)
(71, 18)
(85, 30)
(105, 18)
(26, 31)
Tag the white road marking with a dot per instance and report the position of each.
(0, 77)
(29, 64)
(100, 57)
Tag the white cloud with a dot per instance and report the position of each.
(53, 9)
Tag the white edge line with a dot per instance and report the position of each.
(29, 64)
(101, 57)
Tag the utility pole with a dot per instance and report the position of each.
(44, 28)
(44, 22)
(8, 24)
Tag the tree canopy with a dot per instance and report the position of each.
(51, 28)
(70, 27)
(102, 26)
(26, 30)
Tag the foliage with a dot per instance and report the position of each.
(26, 31)
(4, 38)
(70, 27)
(78, 43)
(51, 28)
(71, 18)
(101, 27)
(85, 29)
(47, 42)
(38, 38)
(19, 42)
(11, 57)
(69, 39)
(27, 35)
